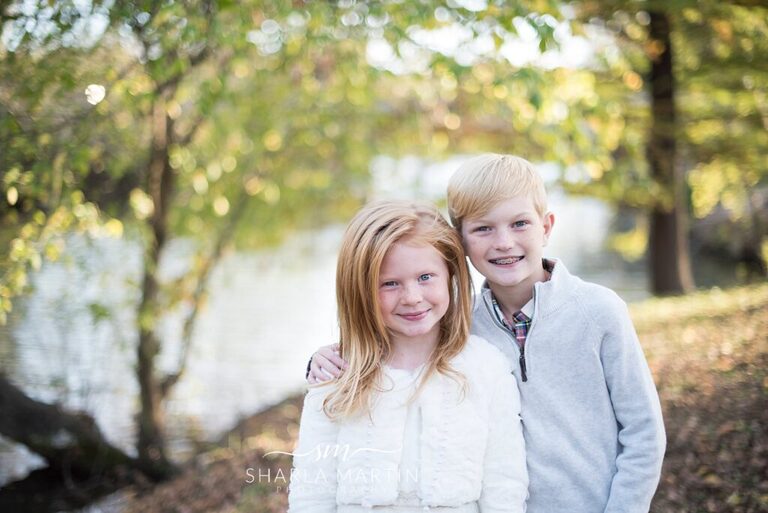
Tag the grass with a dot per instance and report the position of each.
(708, 352)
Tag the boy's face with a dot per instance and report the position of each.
(505, 244)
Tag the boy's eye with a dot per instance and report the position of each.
(520, 224)
(425, 277)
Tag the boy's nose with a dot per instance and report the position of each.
(504, 240)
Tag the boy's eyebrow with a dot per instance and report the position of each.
(485, 220)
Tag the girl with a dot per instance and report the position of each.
(426, 417)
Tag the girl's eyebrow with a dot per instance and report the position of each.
(397, 277)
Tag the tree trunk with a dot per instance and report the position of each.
(70, 443)
(151, 440)
(669, 258)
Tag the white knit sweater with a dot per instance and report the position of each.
(471, 451)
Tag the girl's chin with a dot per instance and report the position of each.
(415, 335)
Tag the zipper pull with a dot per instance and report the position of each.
(522, 367)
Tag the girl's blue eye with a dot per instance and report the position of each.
(481, 229)
(389, 284)
(425, 277)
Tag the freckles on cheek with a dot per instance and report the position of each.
(471, 244)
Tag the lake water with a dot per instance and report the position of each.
(72, 339)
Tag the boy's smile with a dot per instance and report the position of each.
(505, 244)
(506, 260)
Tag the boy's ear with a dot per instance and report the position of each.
(549, 222)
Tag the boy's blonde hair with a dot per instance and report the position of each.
(482, 182)
(364, 339)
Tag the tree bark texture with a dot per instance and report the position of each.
(160, 184)
(669, 258)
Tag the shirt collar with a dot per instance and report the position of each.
(529, 308)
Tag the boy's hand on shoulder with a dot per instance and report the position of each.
(326, 364)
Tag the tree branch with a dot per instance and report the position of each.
(202, 282)
(68, 442)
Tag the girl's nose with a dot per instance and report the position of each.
(411, 294)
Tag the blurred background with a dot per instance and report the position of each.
(175, 177)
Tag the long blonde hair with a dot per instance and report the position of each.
(364, 339)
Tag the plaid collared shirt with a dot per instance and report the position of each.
(521, 323)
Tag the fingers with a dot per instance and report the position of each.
(323, 369)
(316, 374)
(326, 364)
(331, 354)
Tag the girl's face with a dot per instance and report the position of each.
(413, 292)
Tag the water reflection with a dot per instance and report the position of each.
(72, 339)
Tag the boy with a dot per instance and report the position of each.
(591, 415)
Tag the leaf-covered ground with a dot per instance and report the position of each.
(709, 356)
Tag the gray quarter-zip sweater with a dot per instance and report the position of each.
(591, 415)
